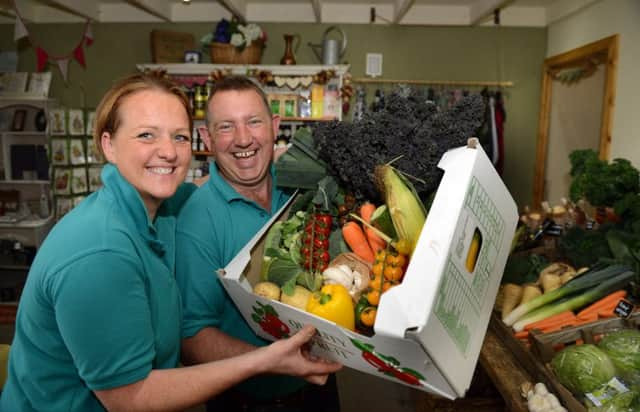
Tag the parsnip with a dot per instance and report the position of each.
(512, 297)
(549, 282)
(530, 291)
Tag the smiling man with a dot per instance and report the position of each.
(219, 219)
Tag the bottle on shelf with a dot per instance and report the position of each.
(44, 204)
(200, 102)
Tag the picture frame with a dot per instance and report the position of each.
(76, 122)
(59, 152)
(192, 56)
(39, 84)
(57, 124)
(19, 116)
(13, 83)
(91, 122)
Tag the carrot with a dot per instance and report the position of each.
(558, 325)
(611, 299)
(375, 242)
(606, 313)
(355, 238)
(565, 316)
(587, 317)
(523, 334)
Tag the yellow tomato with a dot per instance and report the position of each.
(368, 316)
(373, 297)
(393, 273)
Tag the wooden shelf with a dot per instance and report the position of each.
(307, 119)
(25, 133)
(201, 69)
(24, 182)
(293, 119)
(201, 153)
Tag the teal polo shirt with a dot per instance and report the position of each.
(100, 308)
(214, 224)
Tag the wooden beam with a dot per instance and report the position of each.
(237, 8)
(317, 10)
(401, 9)
(481, 9)
(158, 8)
(84, 8)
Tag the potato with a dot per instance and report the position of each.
(299, 298)
(267, 289)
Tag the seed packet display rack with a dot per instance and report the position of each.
(75, 164)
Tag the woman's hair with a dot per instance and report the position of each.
(236, 83)
(107, 116)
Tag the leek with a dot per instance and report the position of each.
(591, 283)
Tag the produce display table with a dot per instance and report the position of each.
(505, 371)
(506, 374)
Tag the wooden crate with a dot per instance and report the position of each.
(546, 345)
(534, 366)
(169, 46)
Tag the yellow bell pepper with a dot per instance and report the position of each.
(333, 303)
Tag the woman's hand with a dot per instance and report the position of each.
(292, 357)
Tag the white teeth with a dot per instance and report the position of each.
(245, 154)
(161, 170)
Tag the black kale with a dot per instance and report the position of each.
(410, 127)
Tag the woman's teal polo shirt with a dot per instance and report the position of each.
(100, 308)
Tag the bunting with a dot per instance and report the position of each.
(43, 57)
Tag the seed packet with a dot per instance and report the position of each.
(63, 206)
(91, 122)
(76, 122)
(79, 180)
(59, 152)
(76, 151)
(62, 181)
(94, 178)
(77, 200)
(92, 152)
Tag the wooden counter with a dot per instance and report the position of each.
(506, 373)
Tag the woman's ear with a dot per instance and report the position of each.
(107, 147)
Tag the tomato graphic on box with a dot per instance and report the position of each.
(388, 365)
(267, 318)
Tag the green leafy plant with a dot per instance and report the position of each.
(601, 183)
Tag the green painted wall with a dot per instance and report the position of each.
(410, 52)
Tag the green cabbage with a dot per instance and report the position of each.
(623, 347)
(582, 368)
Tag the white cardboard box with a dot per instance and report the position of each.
(429, 330)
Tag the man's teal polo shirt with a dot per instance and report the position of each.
(100, 307)
(214, 224)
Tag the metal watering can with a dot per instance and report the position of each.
(332, 49)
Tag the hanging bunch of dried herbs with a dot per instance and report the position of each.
(409, 127)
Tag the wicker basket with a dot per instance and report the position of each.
(225, 53)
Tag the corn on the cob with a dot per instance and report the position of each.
(407, 211)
